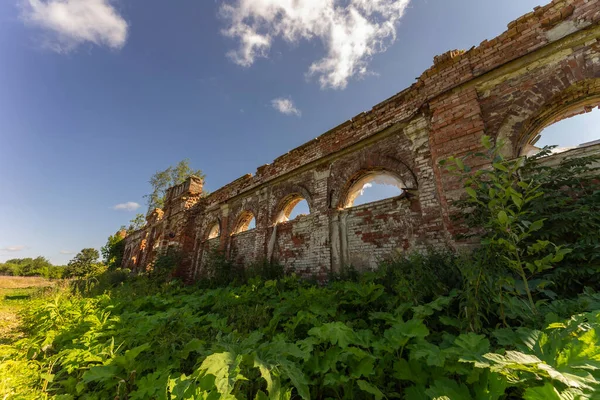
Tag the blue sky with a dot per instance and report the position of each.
(97, 95)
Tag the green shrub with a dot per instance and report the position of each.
(420, 277)
(542, 211)
(343, 340)
(570, 208)
(264, 269)
(165, 264)
(218, 270)
(114, 249)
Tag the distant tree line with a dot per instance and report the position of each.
(39, 266)
(85, 263)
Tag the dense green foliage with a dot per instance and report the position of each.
(570, 206)
(564, 199)
(112, 251)
(273, 339)
(221, 271)
(524, 214)
(84, 264)
(137, 222)
(39, 266)
(493, 323)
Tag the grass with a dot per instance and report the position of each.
(15, 292)
(23, 282)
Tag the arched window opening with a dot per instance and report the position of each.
(372, 187)
(294, 207)
(215, 231)
(246, 222)
(577, 127)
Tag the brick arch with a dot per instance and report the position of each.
(242, 221)
(210, 226)
(578, 98)
(349, 176)
(355, 186)
(290, 197)
(249, 203)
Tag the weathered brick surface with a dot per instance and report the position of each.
(545, 67)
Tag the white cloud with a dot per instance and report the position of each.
(70, 23)
(352, 31)
(365, 187)
(285, 106)
(12, 249)
(129, 206)
(67, 252)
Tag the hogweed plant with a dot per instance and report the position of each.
(422, 326)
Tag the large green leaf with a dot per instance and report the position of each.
(546, 392)
(369, 388)
(448, 388)
(400, 333)
(294, 374)
(425, 310)
(226, 369)
(126, 360)
(152, 386)
(360, 363)
(433, 355)
(334, 333)
(502, 217)
(471, 347)
(490, 386)
(411, 370)
(101, 373)
(415, 392)
(273, 384)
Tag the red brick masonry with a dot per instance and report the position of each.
(544, 68)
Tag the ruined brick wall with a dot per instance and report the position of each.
(545, 67)
(168, 228)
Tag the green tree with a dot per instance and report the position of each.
(20, 266)
(137, 222)
(112, 251)
(85, 263)
(10, 267)
(162, 180)
(39, 266)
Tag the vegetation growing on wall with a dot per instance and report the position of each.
(137, 222)
(172, 176)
